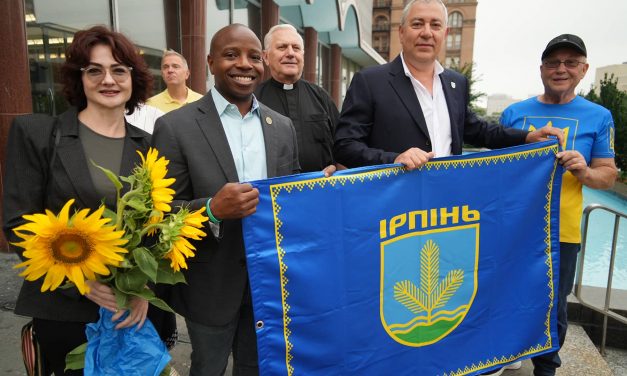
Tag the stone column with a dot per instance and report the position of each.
(311, 54)
(15, 91)
(172, 24)
(269, 17)
(336, 73)
(193, 30)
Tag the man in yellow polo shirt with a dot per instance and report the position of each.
(175, 72)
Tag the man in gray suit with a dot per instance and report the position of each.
(215, 145)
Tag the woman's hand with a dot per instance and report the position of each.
(102, 295)
(137, 315)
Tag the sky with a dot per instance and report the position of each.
(510, 36)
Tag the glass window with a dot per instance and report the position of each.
(455, 20)
(217, 18)
(143, 21)
(148, 32)
(73, 14)
(324, 67)
(451, 61)
(453, 41)
(50, 28)
(250, 16)
(349, 68)
(381, 23)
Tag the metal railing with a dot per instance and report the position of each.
(605, 310)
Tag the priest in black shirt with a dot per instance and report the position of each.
(311, 109)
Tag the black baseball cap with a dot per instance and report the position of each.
(565, 41)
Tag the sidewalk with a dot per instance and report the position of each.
(579, 355)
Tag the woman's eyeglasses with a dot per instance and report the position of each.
(96, 73)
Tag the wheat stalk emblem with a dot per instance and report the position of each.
(433, 294)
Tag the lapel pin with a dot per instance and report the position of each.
(269, 120)
(453, 84)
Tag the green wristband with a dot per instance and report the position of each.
(211, 217)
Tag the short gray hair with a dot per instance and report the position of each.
(171, 52)
(267, 40)
(412, 2)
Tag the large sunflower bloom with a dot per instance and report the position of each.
(76, 247)
(160, 192)
(181, 247)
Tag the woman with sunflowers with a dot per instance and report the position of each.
(51, 168)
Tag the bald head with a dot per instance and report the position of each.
(228, 33)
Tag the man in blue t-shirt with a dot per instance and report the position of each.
(587, 156)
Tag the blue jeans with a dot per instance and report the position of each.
(546, 364)
(211, 345)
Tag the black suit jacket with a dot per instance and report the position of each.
(31, 185)
(381, 118)
(193, 139)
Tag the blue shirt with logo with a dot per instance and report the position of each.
(588, 128)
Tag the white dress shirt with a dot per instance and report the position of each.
(434, 110)
(144, 117)
(245, 137)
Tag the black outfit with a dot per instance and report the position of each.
(381, 118)
(313, 114)
(46, 166)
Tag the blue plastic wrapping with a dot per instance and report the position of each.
(126, 351)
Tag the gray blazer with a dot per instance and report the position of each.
(32, 185)
(193, 139)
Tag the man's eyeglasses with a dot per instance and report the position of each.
(568, 63)
(95, 73)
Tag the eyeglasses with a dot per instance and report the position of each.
(568, 63)
(95, 73)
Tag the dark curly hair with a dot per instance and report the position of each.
(124, 52)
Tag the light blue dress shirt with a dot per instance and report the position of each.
(245, 137)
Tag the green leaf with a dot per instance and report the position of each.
(135, 241)
(137, 204)
(75, 359)
(130, 223)
(146, 262)
(131, 281)
(128, 179)
(166, 275)
(150, 296)
(121, 298)
(108, 213)
(113, 177)
(160, 304)
(166, 371)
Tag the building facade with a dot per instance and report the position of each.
(459, 45)
(497, 103)
(337, 35)
(620, 75)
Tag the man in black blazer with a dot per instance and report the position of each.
(411, 109)
(213, 144)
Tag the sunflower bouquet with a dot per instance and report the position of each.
(143, 241)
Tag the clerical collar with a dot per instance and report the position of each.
(283, 86)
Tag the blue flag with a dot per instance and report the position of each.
(450, 269)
